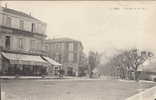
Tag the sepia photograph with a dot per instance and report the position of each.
(77, 50)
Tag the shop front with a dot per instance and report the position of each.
(55, 67)
(22, 64)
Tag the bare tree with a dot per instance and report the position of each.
(135, 58)
(126, 63)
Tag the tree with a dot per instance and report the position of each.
(126, 62)
(137, 58)
(83, 64)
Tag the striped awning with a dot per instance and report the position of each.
(51, 61)
(25, 59)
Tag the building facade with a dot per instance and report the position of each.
(22, 43)
(21, 32)
(66, 51)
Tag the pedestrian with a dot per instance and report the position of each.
(61, 73)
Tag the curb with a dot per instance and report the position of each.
(149, 94)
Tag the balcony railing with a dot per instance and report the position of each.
(18, 31)
(31, 52)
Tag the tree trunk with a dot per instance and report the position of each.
(90, 71)
(136, 75)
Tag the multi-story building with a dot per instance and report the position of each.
(21, 40)
(66, 51)
(20, 31)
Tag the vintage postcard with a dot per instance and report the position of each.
(78, 50)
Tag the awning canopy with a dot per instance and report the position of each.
(51, 61)
(25, 59)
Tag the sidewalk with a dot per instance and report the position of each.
(149, 94)
(40, 77)
(28, 77)
(7, 77)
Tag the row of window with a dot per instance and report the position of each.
(34, 45)
(61, 46)
(58, 46)
(72, 57)
(22, 24)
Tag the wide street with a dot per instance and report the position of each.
(66, 89)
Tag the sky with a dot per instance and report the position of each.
(99, 25)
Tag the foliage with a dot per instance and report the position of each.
(126, 63)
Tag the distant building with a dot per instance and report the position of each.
(22, 43)
(148, 69)
(66, 51)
